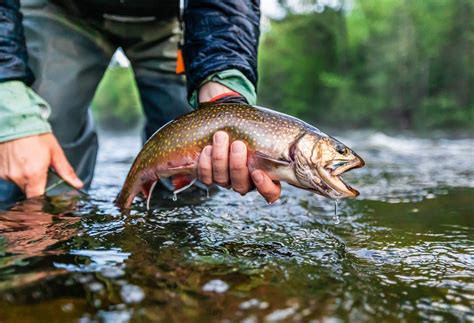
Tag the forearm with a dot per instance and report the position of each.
(221, 36)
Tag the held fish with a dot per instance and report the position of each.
(286, 148)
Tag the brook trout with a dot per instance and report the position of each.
(286, 148)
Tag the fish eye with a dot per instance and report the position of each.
(342, 150)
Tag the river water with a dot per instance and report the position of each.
(402, 251)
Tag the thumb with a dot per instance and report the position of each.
(63, 168)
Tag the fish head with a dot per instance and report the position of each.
(319, 162)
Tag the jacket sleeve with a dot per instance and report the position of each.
(22, 112)
(13, 54)
(220, 35)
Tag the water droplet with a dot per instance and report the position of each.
(175, 197)
(216, 286)
(207, 192)
(336, 213)
(131, 294)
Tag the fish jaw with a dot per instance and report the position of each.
(339, 188)
(330, 174)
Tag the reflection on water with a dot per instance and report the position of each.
(404, 250)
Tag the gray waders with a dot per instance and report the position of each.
(69, 54)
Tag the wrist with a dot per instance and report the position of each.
(212, 90)
(231, 79)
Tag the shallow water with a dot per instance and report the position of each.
(402, 251)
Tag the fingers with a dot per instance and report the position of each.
(215, 162)
(35, 184)
(63, 168)
(205, 166)
(266, 187)
(220, 159)
(24, 161)
(31, 180)
(239, 173)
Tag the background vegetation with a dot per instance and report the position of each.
(116, 105)
(369, 64)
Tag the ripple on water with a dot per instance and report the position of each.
(249, 261)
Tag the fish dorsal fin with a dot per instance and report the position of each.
(275, 161)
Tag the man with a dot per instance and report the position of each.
(54, 53)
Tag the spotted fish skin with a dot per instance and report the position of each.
(175, 148)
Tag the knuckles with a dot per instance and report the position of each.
(219, 157)
(26, 175)
(32, 174)
(238, 168)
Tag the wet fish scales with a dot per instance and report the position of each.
(174, 149)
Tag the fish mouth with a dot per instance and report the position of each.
(331, 175)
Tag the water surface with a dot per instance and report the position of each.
(402, 251)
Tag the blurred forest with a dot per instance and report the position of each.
(396, 64)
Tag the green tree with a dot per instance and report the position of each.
(391, 63)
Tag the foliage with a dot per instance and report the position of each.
(382, 64)
(116, 104)
(393, 63)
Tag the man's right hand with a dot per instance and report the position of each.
(25, 162)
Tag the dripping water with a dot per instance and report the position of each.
(175, 197)
(336, 212)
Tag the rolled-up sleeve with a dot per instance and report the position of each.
(22, 112)
(220, 35)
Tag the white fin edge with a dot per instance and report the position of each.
(150, 193)
(185, 187)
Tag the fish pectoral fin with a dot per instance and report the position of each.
(277, 162)
(189, 168)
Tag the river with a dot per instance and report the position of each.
(402, 251)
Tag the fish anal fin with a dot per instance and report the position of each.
(272, 160)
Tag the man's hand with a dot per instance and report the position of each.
(229, 169)
(25, 162)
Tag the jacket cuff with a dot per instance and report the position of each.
(234, 80)
(23, 113)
